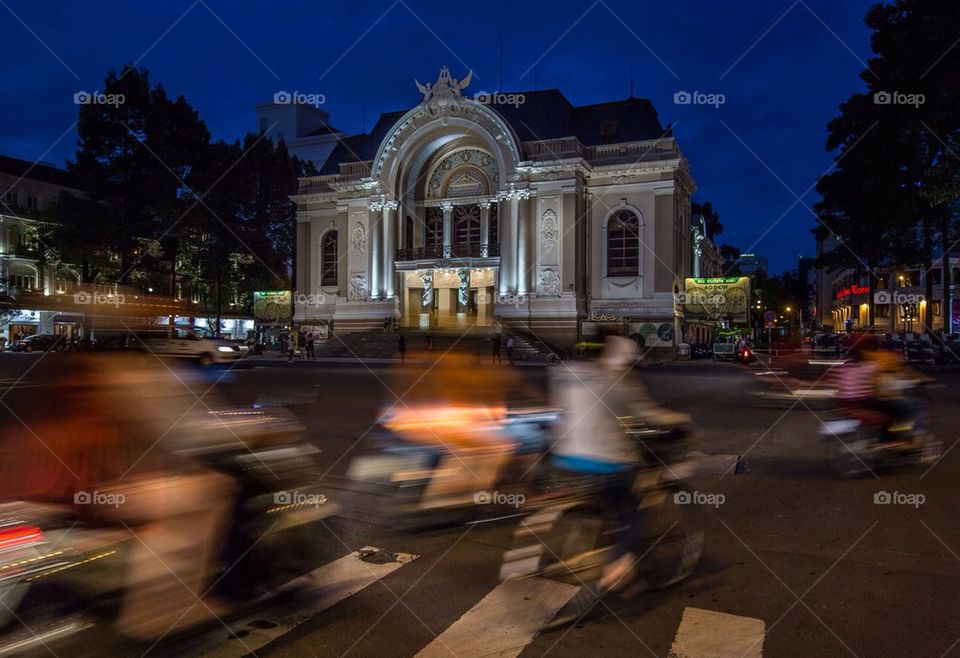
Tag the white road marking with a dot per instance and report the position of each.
(711, 634)
(334, 582)
(504, 621)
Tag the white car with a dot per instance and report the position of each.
(192, 344)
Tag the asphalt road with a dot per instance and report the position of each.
(797, 562)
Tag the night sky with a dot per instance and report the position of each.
(783, 67)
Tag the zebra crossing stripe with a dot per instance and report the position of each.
(711, 634)
(504, 621)
(333, 582)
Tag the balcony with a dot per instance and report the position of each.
(439, 253)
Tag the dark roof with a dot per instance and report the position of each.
(39, 172)
(543, 115)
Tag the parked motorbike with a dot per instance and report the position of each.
(60, 576)
(861, 441)
(570, 534)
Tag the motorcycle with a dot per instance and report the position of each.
(60, 576)
(861, 441)
(403, 471)
(570, 534)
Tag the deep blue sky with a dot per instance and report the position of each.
(226, 56)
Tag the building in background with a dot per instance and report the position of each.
(508, 210)
(752, 264)
(707, 262)
(29, 262)
(899, 299)
(304, 128)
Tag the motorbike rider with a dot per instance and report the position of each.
(598, 399)
(101, 446)
(876, 381)
(460, 409)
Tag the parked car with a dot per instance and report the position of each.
(39, 343)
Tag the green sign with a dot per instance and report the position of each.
(717, 279)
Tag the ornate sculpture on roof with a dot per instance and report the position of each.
(445, 88)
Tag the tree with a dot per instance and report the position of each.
(136, 162)
(897, 175)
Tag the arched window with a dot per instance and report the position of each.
(328, 259)
(623, 244)
(434, 235)
(466, 230)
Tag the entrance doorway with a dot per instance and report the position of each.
(448, 298)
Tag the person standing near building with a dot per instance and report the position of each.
(402, 347)
(310, 352)
(496, 343)
(510, 346)
(291, 345)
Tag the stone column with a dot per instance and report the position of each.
(447, 229)
(376, 243)
(389, 248)
(485, 228)
(523, 246)
(508, 246)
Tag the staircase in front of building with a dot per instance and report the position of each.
(380, 344)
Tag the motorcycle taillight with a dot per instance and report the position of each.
(18, 534)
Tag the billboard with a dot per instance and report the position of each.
(273, 306)
(716, 298)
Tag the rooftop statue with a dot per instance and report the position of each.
(446, 87)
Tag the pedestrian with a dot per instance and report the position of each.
(496, 343)
(428, 343)
(291, 347)
(510, 345)
(386, 325)
(402, 347)
(310, 345)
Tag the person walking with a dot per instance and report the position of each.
(291, 345)
(496, 343)
(402, 348)
(510, 346)
(428, 343)
(310, 352)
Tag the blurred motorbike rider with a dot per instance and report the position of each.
(460, 409)
(99, 445)
(875, 380)
(597, 399)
